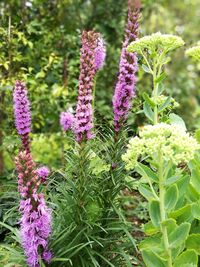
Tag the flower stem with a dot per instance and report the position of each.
(163, 212)
(155, 93)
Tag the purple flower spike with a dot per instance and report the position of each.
(43, 173)
(66, 120)
(88, 68)
(35, 223)
(125, 87)
(22, 113)
(35, 230)
(100, 53)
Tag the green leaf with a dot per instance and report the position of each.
(150, 229)
(148, 100)
(197, 135)
(179, 235)
(148, 111)
(172, 179)
(175, 119)
(188, 258)
(182, 214)
(171, 197)
(160, 89)
(40, 74)
(161, 77)
(146, 172)
(192, 194)
(196, 210)
(170, 225)
(146, 68)
(193, 242)
(154, 211)
(165, 104)
(151, 243)
(152, 259)
(195, 178)
(146, 192)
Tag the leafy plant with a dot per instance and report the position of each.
(160, 155)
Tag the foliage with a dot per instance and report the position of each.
(160, 155)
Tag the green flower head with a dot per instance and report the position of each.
(194, 52)
(172, 141)
(156, 42)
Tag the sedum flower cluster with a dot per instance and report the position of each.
(161, 99)
(194, 52)
(171, 141)
(156, 42)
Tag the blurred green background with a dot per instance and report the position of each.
(40, 44)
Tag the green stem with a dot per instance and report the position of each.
(163, 212)
(155, 91)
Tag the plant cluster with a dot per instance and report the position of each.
(74, 217)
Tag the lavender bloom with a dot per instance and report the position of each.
(125, 87)
(84, 113)
(43, 173)
(22, 113)
(35, 224)
(66, 120)
(100, 53)
(35, 229)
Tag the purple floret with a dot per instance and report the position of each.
(66, 120)
(100, 53)
(43, 173)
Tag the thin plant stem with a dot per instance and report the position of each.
(162, 211)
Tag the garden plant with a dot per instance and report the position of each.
(75, 213)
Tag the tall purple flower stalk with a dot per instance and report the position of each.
(36, 216)
(125, 87)
(92, 57)
(22, 113)
(35, 224)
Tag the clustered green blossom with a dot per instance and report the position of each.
(194, 52)
(156, 42)
(161, 99)
(171, 141)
